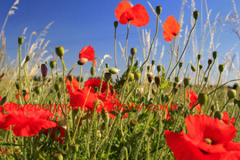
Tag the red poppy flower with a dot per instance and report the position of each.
(226, 118)
(75, 84)
(88, 53)
(25, 97)
(170, 28)
(28, 120)
(193, 99)
(137, 15)
(96, 83)
(207, 139)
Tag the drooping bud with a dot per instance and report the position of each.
(60, 51)
(82, 61)
(70, 77)
(202, 98)
(180, 64)
(231, 93)
(27, 58)
(37, 90)
(17, 85)
(57, 156)
(107, 65)
(215, 53)
(133, 51)
(199, 56)
(158, 9)
(20, 40)
(195, 15)
(221, 68)
(115, 24)
(153, 62)
(218, 114)
(137, 75)
(157, 80)
(186, 81)
(52, 64)
(200, 66)
(210, 62)
(193, 68)
(148, 68)
(57, 86)
(130, 76)
(114, 70)
(93, 71)
(44, 70)
(176, 79)
(107, 76)
(133, 122)
(159, 68)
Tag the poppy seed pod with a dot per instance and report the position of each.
(180, 64)
(107, 76)
(212, 107)
(52, 64)
(199, 56)
(60, 51)
(186, 81)
(137, 75)
(74, 148)
(221, 68)
(215, 53)
(130, 76)
(82, 61)
(57, 86)
(159, 68)
(27, 58)
(17, 85)
(210, 62)
(114, 70)
(44, 70)
(57, 156)
(157, 80)
(231, 93)
(70, 77)
(176, 79)
(107, 65)
(93, 71)
(20, 40)
(37, 90)
(115, 24)
(133, 51)
(200, 66)
(148, 68)
(218, 115)
(202, 98)
(158, 10)
(153, 62)
(150, 79)
(193, 68)
(195, 15)
(133, 122)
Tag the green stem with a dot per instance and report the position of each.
(196, 75)
(80, 78)
(115, 46)
(225, 105)
(173, 50)
(52, 78)
(126, 43)
(20, 81)
(72, 69)
(30, 92)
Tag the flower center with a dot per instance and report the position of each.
(208, 141)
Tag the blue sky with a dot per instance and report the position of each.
(82, 23)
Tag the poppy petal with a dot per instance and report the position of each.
(141, 16)
(122, 7)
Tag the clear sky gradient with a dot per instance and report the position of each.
(79, 23)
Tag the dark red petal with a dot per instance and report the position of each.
(202, 126)
(125, 17)
(141, 16)
(122, 7)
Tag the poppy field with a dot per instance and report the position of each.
(150, 111)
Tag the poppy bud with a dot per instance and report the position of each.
(44, 70)
(107, 65)
(153, 62)
(202, 98)
(20, 40)
(231, 93)
(210, 62)
(193, 68)
(52, 64)
(212, 107)
(133, 122)
(70, 77)
(60, 51)
(206, 79)
(215, 53)
(150, 79)
(159, 68)
(199, 56)
(115, 24)
(74, 148)
(27, 58)
(130, 76)
(133, 51)
(37, 90)
(153, 91)
(180, 64)
(176, 79)
(221, 68)
(208, 141)
(200, 66)
(167, 98)
(218, 114)
(148, 68)
(82, 61)
(107, 76)
(186, 81)
(114, 70)
(195, 15)
(57, 86)
(93, 71)
(57, 156)
(158, 10)
(17, 85)
(158, 80)
(137, 75)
